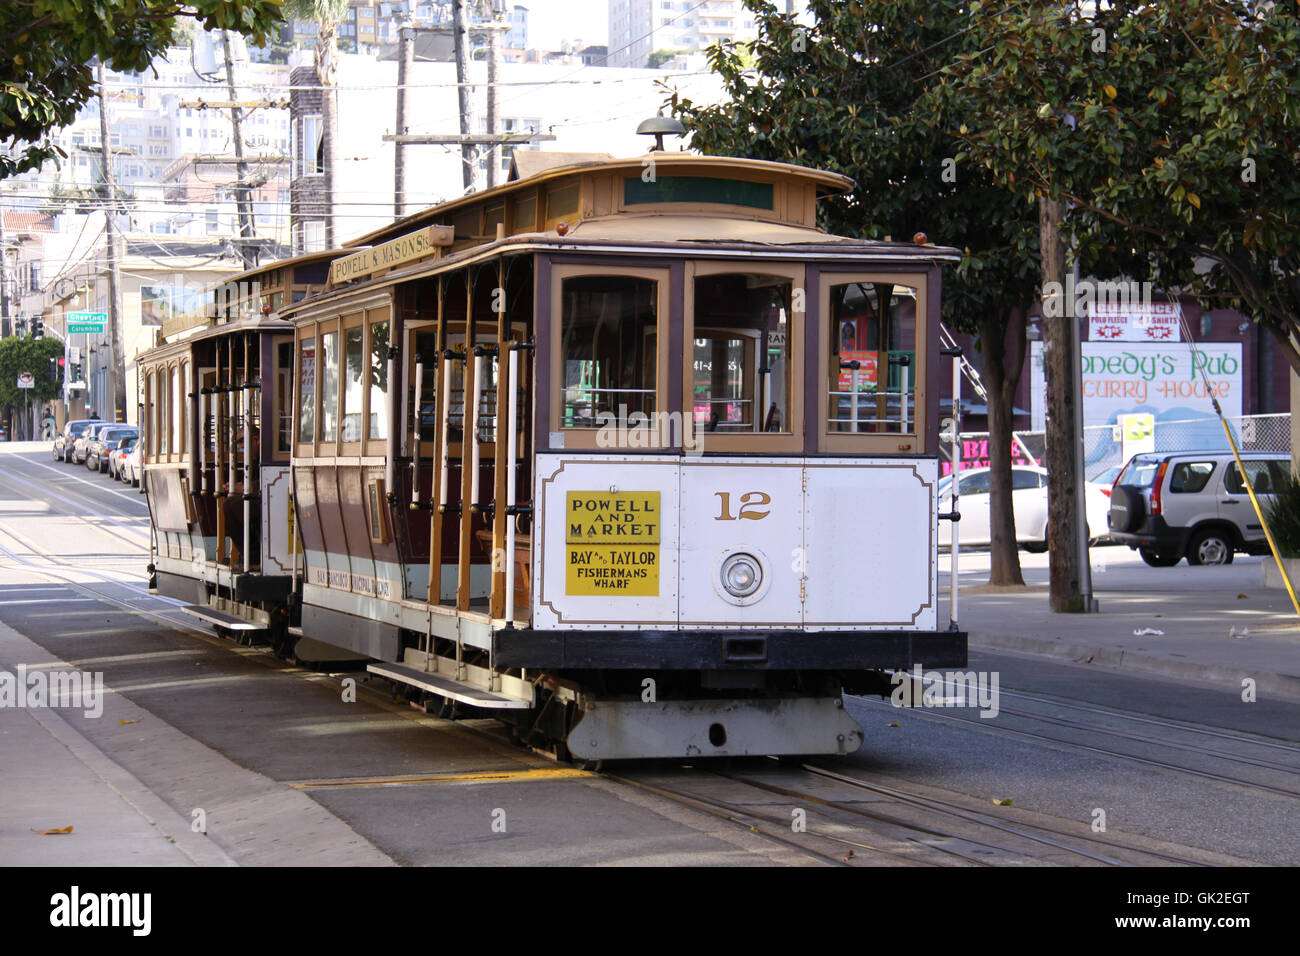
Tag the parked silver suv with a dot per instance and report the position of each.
(1169, 505)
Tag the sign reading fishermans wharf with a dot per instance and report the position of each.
(413, 245)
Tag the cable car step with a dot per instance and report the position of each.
(232, 622)
(446, 687)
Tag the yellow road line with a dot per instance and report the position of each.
(481, 776)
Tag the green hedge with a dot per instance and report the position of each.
(1284, 517)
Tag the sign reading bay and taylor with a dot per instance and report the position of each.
(612, 543)
(413, 245)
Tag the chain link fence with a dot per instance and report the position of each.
(1102, 448)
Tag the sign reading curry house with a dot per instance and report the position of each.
(413, 245)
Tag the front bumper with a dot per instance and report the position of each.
(729, 650)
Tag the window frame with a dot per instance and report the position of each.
(585, 439)
(346, 323)
(372, 316)
(791, 442)
(913, 442)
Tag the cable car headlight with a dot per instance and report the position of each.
(741, 575)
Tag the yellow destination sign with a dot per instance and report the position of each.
(612, 540)
(413, 245)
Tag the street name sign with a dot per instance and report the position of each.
(92, 322)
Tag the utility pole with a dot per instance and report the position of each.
(460, 36)
(116, 372)
(1060, 348)
(6, 323)
(243, 197)
(405, 60)
(493, 121)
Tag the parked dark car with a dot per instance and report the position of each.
(66, 439)
(107, 437)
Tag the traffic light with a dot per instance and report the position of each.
(38, 329)
(75, 374)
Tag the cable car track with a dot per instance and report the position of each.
(1134, 758)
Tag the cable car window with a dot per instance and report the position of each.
(283, 395)
(180, 388)
(307, 390)
(164, 411)
(742, 363)
(151, 399)
(609, 333)
(353, 383)
(378, 374)
(329, 387)
(872, 369)
(426, 346)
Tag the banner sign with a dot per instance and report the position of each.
(1149, 322)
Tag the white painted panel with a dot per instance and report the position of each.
(557, 476)
(276, 488)
(761, 515)
(870, 544)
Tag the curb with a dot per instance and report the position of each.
(1227, 678)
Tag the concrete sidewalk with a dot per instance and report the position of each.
(1219, 624)
(54, 777)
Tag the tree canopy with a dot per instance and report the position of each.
(851, 94)
(47, 48)
(19, 355)
(1171, 129)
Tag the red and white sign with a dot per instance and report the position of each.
(867, 370)
(26, 380)
(1150, 322)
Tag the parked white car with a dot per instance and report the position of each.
(1028, 501)
(130, 468)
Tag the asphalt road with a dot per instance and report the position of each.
(287, 771)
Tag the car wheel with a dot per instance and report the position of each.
(1210, 547)
(1158, 560)
(1034, 547)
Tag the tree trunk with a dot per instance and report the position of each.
(1003, 346)
(1060, 328)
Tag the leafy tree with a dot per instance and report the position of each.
(1158, 133)
(1170, 129)
(851, 95)
(18, 355)
(327, 15)
(47, 46)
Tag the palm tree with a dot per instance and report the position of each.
(327, 15)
